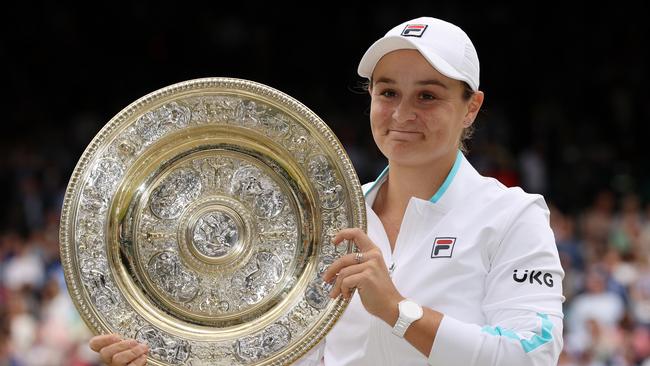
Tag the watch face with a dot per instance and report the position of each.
(411, 309)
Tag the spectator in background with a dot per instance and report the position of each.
(644, 237)
(626, 230)
(25, 268)
(596, 224)
(570, 250)
(533, 169)
(502, 166)
(22, 324)
(593, 312)
(640, 293)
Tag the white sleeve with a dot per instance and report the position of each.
(313, 357)
(523, 309)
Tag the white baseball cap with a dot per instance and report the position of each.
(447, 48)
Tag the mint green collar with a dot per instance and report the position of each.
(443, 188)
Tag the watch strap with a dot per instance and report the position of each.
(400, 327)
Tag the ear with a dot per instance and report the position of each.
(473, 106)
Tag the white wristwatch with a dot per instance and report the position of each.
(409, 312)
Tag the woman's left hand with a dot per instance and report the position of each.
(367, 272)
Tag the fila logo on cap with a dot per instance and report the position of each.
(414, 30)
(443, 247)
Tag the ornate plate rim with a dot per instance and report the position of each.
(288, 105)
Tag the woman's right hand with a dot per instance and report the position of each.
(115, 351)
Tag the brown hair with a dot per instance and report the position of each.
(469, 130)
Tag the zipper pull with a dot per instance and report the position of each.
(391, 269)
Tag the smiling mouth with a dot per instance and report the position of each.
(403, 132)
(401, 135)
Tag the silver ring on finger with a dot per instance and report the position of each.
(358, 257)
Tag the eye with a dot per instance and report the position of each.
(388, 93)
(427, 96)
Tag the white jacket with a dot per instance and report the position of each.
(480, 253)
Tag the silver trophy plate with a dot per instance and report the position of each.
(199, 221)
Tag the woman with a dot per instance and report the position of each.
(456, 269)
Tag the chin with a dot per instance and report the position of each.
(406, 161)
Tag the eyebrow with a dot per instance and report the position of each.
(421, 82)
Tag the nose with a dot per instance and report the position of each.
(404, 112)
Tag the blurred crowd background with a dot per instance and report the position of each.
(565, 116)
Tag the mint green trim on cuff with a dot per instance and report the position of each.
(527, 344)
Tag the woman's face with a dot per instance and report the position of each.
(417, 114)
